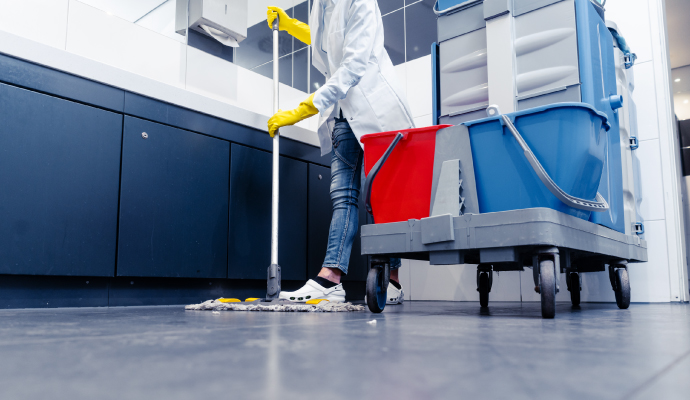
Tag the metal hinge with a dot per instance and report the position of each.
(638, 228)
(634, 144)
(629, 60)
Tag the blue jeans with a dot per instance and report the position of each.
(346, 182)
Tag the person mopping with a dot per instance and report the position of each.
(361, 96)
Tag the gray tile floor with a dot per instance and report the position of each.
(421, 350)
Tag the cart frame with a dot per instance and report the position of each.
(544, 239)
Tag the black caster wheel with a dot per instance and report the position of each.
(377, 286)
(621, 285)
(547, 288)
(574, 287)
(484, 288)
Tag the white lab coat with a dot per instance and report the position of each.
(360, 78)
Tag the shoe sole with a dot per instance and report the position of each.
(334, 299)
(399, 300)
(388, 302)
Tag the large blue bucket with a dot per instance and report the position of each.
(568, 139)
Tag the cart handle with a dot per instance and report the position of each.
(599, 204)
(369, 181)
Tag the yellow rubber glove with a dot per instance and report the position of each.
(284, 118)
(292, 26)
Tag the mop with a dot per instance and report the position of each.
(280, 306)
(272, 302)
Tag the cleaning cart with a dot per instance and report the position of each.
(530, 168)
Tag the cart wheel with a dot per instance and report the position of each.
(622, 288)
(484, 289)
(547, 286)
(377, 286)
(574, 287)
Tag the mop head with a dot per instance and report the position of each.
(324, 306)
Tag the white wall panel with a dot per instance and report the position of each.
(596, 287)
(211, 76)
(645, 100)
(419, 86)
(254, 92)
(130, 10)
(632, 18)
(44, 21)
(424, 120)
(642, 22)
(401, 72)
(289, 97)
(161, 19)
(652, 206)
(459, 283)
(649, 282)
(669, 145)
(94, 34)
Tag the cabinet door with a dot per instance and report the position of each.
(250, 215)
(320, 213)
(59, 175)
(173, 203)
(359, 267)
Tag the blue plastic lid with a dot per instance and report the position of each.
(442, 7)
(535, 110)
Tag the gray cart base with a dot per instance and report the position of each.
(544, 239)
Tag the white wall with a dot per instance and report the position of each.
(664, 277)
(44, 21)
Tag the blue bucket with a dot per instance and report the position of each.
(568, 139)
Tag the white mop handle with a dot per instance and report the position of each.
(276, 156)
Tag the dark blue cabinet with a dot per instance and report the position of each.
(173, 203)
(319, 219)
(319, 222)
(249, 252)
(359, 267)
(59, 174)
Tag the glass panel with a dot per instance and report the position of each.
(387, 6)
(394, 36)
(300, 70)
(421, 29)
(156, 15)
(301, 13)
(255, 53)
(285, 70)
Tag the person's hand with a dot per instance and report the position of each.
(284, 118)
(291, 25)
(284, 19)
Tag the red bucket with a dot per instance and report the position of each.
(402, 188)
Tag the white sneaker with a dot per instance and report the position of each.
(313, 291)
(393, 295)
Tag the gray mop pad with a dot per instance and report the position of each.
(324, 306)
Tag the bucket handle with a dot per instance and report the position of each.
(599, 204)
(369, 181)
